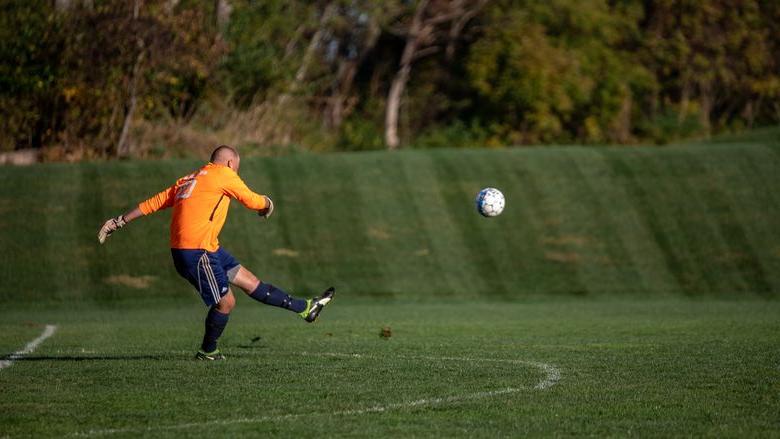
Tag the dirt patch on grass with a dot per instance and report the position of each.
(573, 240)
(137, 282)
(286, 252)
(379, 233)
(564, 257)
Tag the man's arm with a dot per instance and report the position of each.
(114, 224)
(236, 188)
(133, 214)
(159, 201)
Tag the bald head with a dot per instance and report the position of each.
(225, 155)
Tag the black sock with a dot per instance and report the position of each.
(215, 324)
(270, 295)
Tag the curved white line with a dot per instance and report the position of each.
(552, 372)
(47, 332)
(551, 378)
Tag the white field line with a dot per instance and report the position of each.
(552, 375)
(47, 332)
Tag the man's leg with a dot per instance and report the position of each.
(205, 272)
(267, 293)
(308, 309)
(216, 320)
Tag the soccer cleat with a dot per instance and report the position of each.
(209, 356)
(314, 306)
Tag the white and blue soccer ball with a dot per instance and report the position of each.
(490, 202)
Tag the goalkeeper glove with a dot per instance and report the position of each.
(110, 227)
(268, 209)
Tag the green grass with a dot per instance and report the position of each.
(697, 220)
(673, 367)
(647, 278)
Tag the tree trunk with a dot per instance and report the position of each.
(466, 14)
(401, 78)
(621, 126)
(170, 5)
(684, 99)
(393, 107)
(300, 75)
(62, 5)
(223, 10)
(66, 5)
(123, 145)
(335, 112)
(706, 109)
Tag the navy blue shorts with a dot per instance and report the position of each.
(209, 272)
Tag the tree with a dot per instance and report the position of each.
(557, 71)
(355, 35)
(717, 60)
(120, 55)
(424, 31)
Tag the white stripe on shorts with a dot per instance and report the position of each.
(215, 286)
(210, 277)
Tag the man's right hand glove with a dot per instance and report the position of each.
(268, 209)
(110, 227)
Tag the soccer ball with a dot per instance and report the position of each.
(490, 202)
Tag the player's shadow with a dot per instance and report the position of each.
(93, 358)
(255, 343)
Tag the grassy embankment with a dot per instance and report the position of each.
(694, 220)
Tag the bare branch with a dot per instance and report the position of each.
(422, 53)
(460, 23)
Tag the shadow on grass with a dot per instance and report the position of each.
(97, 357)
(157, 357)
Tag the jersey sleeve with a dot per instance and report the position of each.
(237, 189)
(162, 200)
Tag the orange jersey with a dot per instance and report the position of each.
(200, 205)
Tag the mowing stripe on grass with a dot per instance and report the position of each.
(552, 375)
(456, 169)
(47, 332)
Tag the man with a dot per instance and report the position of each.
(200, 206)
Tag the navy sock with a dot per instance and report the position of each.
(215, 324)
(270, 295)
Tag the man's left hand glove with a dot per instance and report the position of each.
(268, 209)
(110, 227)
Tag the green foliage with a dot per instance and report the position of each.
(717, 61)
(266, 42)
(318, 73)
(76, 72)
(454, 135)
(30, 41)
(552, 72)
(358, 134)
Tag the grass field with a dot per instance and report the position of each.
(600, 368)
(623, 292)
(695, 220)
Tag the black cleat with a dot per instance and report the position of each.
(315, 305)
(209, 356)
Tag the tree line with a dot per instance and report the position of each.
(144, 78)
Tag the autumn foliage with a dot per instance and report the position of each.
(143, 78)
